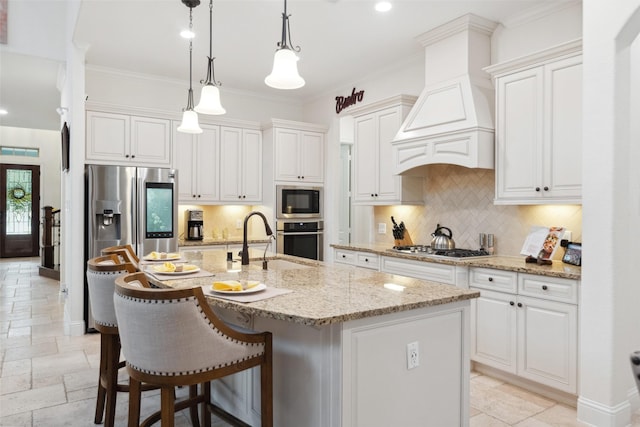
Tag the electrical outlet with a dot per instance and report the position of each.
(567, 235)
(382, 228)
(413, 355)
(238, 224)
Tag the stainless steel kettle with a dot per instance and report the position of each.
(440, 240)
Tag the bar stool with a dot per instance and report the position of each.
(172, 337)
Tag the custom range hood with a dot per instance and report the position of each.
(452, 120)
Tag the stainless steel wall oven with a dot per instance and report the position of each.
(300, 238)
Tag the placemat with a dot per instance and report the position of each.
(160, 276)
(258, 296)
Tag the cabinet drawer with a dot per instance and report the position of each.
(494, 280)
(551, 288)
(435, 272)
(368, 260)
(345, 257)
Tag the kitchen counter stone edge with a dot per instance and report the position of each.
(508, 263)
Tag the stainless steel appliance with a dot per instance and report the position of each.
(294, 202)
(129, 205)
(428, 251)
(300, 238)
(194, 224)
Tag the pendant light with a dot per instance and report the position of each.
(189, 117)
(210, 95)
(284, 74)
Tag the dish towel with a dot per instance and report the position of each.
(257, 296)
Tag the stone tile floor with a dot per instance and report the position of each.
(49, 379)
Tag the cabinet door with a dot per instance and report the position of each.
(184, 154)
(365, 160)
(251, 166)
(547, 342)
(312, 157)
(206, 161)
(493, 330)
(563, 94)
(287, 155)
(389, 122)
(150, 141)
(108, 137)
(230, 164)
(519, 135)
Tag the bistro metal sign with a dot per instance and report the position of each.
(343, 102)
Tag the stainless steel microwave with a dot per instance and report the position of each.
(298, 202)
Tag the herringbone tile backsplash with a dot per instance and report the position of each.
(462, 200)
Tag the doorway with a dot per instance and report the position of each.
(19, 207)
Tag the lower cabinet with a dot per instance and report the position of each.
(526, 325)
(434, 272)
(359, 259)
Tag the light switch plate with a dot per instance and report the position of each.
(382, 228)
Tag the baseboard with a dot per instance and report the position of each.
(597, 414)
(541, 389)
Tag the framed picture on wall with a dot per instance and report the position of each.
(65, 147)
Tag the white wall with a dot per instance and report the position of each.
(159, 93)
(611, 225)
(49, 144)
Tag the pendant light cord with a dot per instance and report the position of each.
(286, 28)
(190, 97)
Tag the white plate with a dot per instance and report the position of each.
(259, 287)
(168, 258)
(160, 270)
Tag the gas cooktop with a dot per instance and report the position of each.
(450, 253)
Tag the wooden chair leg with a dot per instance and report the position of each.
(102, 374)
(112, 379)
(266, 390)
(206, 415)
(193, 409)
(134, 402)
(167, 402)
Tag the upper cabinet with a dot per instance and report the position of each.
(539, 127)
(127, 139)
(374, 181)
(240, 165)
(196, 157)
(298, 151)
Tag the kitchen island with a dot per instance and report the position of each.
(340, 342)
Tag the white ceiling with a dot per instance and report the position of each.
(341, 41)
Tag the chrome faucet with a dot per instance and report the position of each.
(245, 245)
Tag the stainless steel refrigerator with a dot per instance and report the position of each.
(129, 205)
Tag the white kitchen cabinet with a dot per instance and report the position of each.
(357, 258)
(240, 165)
(127, 139)
(296, 151)
(299, 156)
(196, 159)
(432, 271)
(528, 328)
(374, 181)
(539, 128)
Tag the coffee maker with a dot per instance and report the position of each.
(194, 224)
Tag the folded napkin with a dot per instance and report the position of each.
(234, 285)
(253, 297)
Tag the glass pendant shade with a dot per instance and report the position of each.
(284, 74)
(210, 101)
(189, 122)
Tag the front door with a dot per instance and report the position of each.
(19, 207)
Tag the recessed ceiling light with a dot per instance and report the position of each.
(383, 6)
(3, 112)
(187, 34)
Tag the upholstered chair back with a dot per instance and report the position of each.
(175, 333)
(102, 272)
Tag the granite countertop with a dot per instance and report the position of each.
(214, 242)
(509, 263)
(322, 293)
